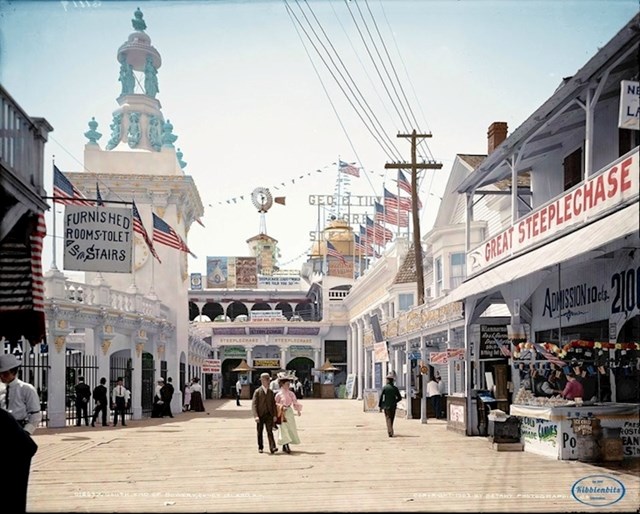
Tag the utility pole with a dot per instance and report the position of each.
(415, 166)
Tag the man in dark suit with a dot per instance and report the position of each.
(389, 399)
(102, 403)
(263, 406)
(166, 393)
(83, 393)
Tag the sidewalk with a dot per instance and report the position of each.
(208, 462)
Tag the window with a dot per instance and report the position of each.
(458, 269)
(627, 140)
(438, 268)
(405, 302)
(573, 166)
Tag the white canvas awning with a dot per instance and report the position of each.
(591, 237)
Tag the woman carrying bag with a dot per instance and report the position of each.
(286, 402)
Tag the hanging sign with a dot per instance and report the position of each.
(98, 239)
(211, 366)
(629, 115)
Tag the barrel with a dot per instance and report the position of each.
(612, 449)
(588, 448)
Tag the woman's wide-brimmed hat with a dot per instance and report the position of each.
(286, 376)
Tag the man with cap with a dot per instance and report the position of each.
(18, 397)
(19, 416)
(389, 399)
(263, 406)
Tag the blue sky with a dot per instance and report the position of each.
(250, 111)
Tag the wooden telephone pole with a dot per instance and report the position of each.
(415, 166)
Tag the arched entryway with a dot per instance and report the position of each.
(194, 312)
(229, 377)
(235, 309)
(302, 366)
(286, 309)
(212, 310)
(305, 311)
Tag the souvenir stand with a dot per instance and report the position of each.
(592, 428)
(326, 388)
(244, 374)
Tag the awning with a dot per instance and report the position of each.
(591, 237)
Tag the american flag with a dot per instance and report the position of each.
(66, 192)
(349, 169)
(333, 252)
(548, 355)
(99, 196)
(390, 216)
(358, 246)
(22, 291)
(505, 349)
(139, 228)
(377, 233)
(165, 235)
(392, 201)
(405, 185)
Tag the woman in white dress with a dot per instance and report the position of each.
(287, 401)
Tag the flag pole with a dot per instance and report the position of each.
(152, 291)
(53, 264)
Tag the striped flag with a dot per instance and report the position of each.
(349, 169)
(66, 192)
(548, 355)
(358, 246)
(139, 228)
(21, 282)
(405, 185)
(165, 235)
(505, 349)
(377, 233)
(333, 252)
(99, 196)
(392, 201)
(390, 216)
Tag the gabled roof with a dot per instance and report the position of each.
(473, 160)
(407, 272)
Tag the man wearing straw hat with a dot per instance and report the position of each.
(263, 406)
(389, 399)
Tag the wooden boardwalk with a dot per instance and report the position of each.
(208, 462)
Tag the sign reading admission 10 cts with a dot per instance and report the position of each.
(98, 239)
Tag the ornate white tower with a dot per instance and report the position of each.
(140, 163)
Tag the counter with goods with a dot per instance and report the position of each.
(564, 430)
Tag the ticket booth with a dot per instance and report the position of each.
(244, 373)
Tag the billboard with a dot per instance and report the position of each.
(232, 272)
(98, 239)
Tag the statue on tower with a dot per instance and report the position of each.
(168, 138)
(179, 155)
(138, 23)
(126, 77)
(115, 131)
(134, 129)
(150, 78)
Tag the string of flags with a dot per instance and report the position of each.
(343, 167)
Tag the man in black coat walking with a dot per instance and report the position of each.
(100, 396)
(166, 394)
(83, 393)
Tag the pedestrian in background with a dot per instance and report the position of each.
(196, 396)
(263, 407)
(286, 402)
(434, 394)
(83, 394)
(121, 397)
(158, 404)
(238, 391)
(187, 397)
(100, 398)
(388, 402)
(166, 394)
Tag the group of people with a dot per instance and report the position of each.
(193, 396)
(120, 402)
(162, 399)
(275, 410)
(571, 390)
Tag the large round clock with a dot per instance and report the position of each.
(262, 199)
(141, 252)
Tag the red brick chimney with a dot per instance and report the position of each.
(496, 134)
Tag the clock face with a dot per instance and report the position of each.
(141, 252)
(262, 199)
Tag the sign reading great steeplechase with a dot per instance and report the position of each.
(98, 239)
